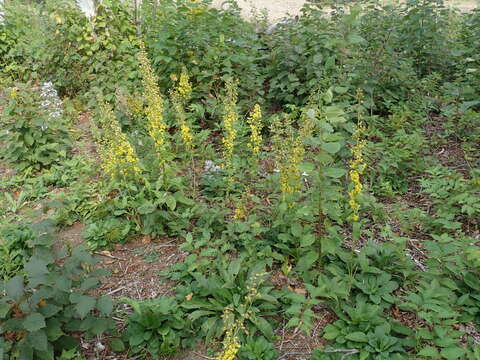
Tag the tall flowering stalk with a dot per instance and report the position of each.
(179, 98)
(231, 345)
(229, 123)
(230, 120)
(157, 128)
(357, 164)
(232, 326)
(289, 151)
(119, 159)
(255, 123)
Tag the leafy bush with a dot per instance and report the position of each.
(23, 50)
(95, 55)
(33, 129)
(210, 43)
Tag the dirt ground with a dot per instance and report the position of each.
(278, 9)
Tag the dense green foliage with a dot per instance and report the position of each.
(45, 302)
(327, 167)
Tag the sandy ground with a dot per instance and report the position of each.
(278, 9)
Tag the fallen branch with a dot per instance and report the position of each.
(347, 352)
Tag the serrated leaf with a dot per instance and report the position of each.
(84, 304)
(89, 283)
(105, 305)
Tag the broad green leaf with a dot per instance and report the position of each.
(357, 336)
(54, 329)
(105, 305)
(334, 172)
(4, 310)
(34, 322)
(429, 351)
(331, 147)
(89, 283)
(38, 339)
(171, 203)
(116, 345)
(452, 353)
(307, 240)
(15, 288)
(307, 260)
(331, 332)
(146, 208)
(84, 305)
(264, 326)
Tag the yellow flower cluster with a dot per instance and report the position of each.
(231, 345)
(255, 123)
(184, 88)
(179, 98)
(241, 211)
(357, 166)
(118, 156)
(131, 104)
(135, 105)
(157, 128)
(229, 121)
(290, 152)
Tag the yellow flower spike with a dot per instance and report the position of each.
(184, 88)
(255, 123)
(179, 97)
(157, 128)
(357, 165)
(229, 122)
(290, 151)
(119, 159)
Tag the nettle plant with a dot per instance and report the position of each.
(46, 306)
(33, 128)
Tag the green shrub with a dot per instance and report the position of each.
(95, 55)
(33, 128)
(210, 43)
